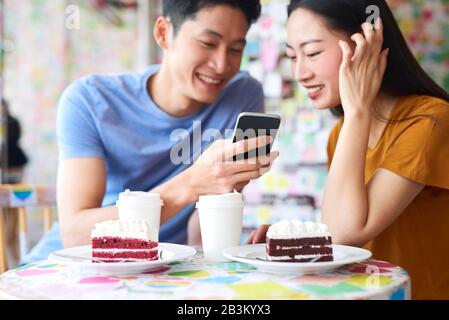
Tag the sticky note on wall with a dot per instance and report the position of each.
(269, 54)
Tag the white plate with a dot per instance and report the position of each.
(81, 257)
(254, 254)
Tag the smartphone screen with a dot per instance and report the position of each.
(251, 124)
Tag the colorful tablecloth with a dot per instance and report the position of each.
(197, 279)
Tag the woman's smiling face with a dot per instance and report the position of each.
(315, 56)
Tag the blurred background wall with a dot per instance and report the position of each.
(49, 43)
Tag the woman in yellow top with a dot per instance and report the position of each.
(388, 183)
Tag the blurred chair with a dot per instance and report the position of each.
(16, 199)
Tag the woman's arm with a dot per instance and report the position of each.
(355, 212)
(345, 201)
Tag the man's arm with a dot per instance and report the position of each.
(80, 189)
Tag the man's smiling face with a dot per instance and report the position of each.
(206, 52)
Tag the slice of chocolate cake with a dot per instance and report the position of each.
(297, 241)
(124, 241)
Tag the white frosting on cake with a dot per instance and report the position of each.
(291, 229)
(136, 229)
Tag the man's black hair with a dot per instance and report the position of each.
(181, 10)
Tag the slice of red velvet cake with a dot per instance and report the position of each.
(124, 241)
(297, 241)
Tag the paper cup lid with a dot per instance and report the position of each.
(227, 200)
(139, 199)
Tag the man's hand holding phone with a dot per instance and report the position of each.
(254, 124)
(215, 172)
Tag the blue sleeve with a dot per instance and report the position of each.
(77, 133)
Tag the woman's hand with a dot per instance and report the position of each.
(362, 71)
(258, 235)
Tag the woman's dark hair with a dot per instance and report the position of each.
(180, 11)
(403, 76)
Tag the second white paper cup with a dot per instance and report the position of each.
(220, 223)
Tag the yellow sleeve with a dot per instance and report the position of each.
(421, 152)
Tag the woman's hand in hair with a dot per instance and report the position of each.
(362, 69)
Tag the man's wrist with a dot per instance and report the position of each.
(186, 184)
(176, 193)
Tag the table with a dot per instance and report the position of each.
(14, 199)
(197, 279)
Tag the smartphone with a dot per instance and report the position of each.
(255, 124)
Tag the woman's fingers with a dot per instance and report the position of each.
(361, 46)
(368, 31)
(347, 53)
(379, 28)
(378, 33)
(383, 62)
(370, 42)
(260, 234)
(362, 68)
(251, 237)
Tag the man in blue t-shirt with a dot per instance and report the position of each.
(118, 132)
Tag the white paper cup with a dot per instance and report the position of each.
(140, 205)
(220, 223)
